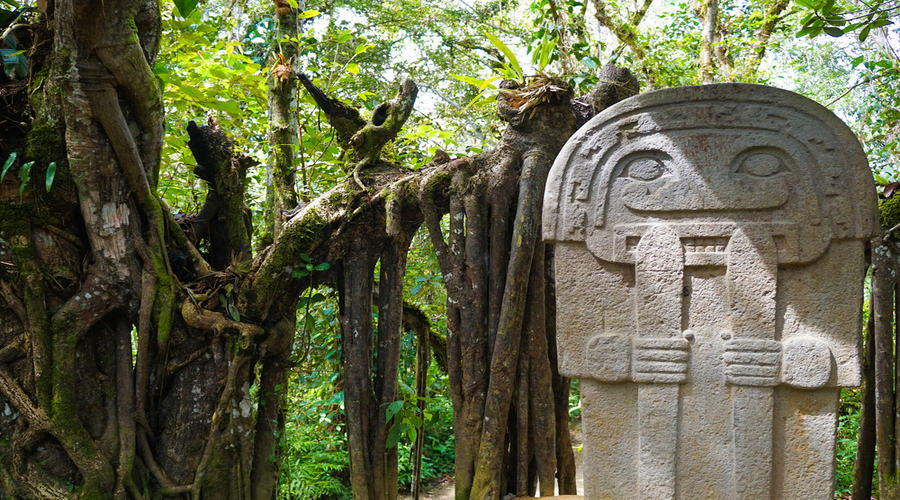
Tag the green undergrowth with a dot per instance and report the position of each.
(314, 445)
(315, 463)
(315, 460)
(848, 428)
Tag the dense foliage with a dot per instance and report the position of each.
(356, 49)
(215, 58)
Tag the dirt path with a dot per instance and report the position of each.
(444, 490)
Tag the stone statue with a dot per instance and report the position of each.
(710, 257)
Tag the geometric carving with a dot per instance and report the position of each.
(660, 360)
(752, 362)
(705, 245)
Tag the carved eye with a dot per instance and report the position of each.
(763, 163)
(644, 169)
(644, 165)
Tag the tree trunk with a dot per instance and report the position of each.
(422, 331)
(864, 467)
(885, 397)
(501, 366)
(281, 193)
(708, 12)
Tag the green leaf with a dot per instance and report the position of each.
(480, 100)
(806, 4)
(8, 164)
(353, 68)
(25, 172)
(24, 176)
(832, 31)
(185, 7)
(293, 4)
(481, 84)
(323, 266)
(508, 53)
(864, 33)
(392, 409)
(161, 72)
(230, 107)
(416, 421)
(306, 14)
(547, 47)
(191, 92)
(810, 31)
(393, 437)
(232, 310)
(51, 173)
(300, 273)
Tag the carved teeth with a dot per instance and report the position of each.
(705, 244)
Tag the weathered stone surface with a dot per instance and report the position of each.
(710, 259)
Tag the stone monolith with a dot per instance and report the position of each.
(710, 257)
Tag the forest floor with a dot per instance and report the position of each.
(443, 488)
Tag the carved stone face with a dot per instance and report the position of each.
(709, 162)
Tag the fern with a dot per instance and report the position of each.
(313, 465)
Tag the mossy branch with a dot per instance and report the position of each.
(345, 119)
(387, 120)
(366, 139)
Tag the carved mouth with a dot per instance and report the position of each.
(705, 245)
